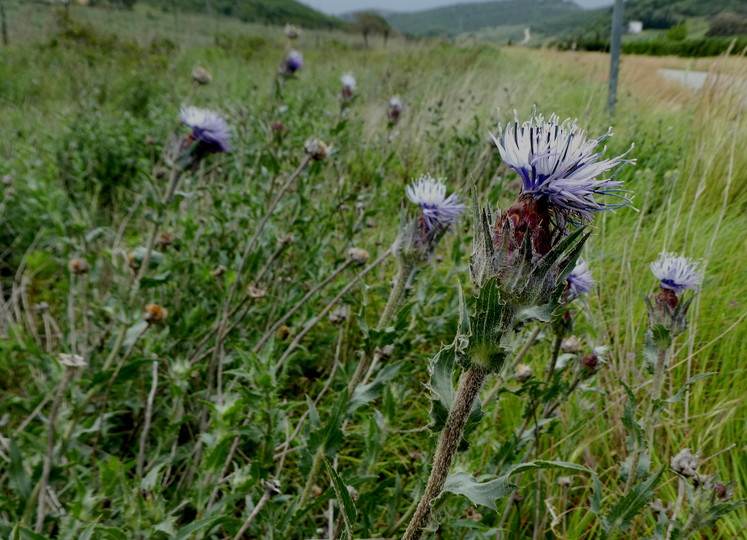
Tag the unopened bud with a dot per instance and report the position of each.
(316, 149)
(272, 487)
(154, 314)
(201, 76)
(722, 491)
(256, 292)
(570, 345)
(590, 364)
(292, 31)
(358, 256)
(523, 373)
(78, 266)
(218, 271)
(165, 240)
(340, 314)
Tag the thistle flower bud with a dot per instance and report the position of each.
(165, 240)
(71, 361)
(579, 281)
(316, 149)
(78, 266)
(340, 314)
(292, 31)
(201, 76)
(565, 481)
(349, 84)
(283, 333)
(570, 345)
(359, 256)
(685, 463)
(723, 492)
(589, 365)
(386, 352)
(256, 292)
(523, 373)
(219, 271)
(272, 487)
(154, 314)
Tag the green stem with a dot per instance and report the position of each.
(470, 384)
(648, 418)
(315, 466)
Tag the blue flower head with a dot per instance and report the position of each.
(559, 163)
(209, 129)
(676, 273)
(438, 210)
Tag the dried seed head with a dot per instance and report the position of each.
(686, 463)
(359, 256)
(590, 364)
(272, 487)
(7, 180)
(133, 260)
(658, 507)
(78, 266)
(165, 240)
(283, 333)
(316, 149)
(292, 31)
(154, 313)
(565, 481)
(570, 345)
(72, 361)
(387, 352)
(201, 76)
(352, 492)
(285, 240)
(340, 314)
(523, 373)
(256, 292)
(722, 491)
(218, 271)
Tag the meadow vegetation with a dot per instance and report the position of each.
(181, 419)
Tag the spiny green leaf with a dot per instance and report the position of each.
(347, 506)
(621, 515)
(364, 394)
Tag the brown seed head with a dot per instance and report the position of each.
(359, 256)
(316, 149)
(154, 313)
(201, 76)
(165, 240)
(78, 266)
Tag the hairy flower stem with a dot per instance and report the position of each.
(41, 510)
(404, 274)
(648, 418)
(470, 384)
(148, 416)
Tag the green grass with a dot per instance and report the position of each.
(84, 126)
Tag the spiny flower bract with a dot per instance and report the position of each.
(208, 128)
(580, 281)
(438, 210)
(676, 272)
(556, 160)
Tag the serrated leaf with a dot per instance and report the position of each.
(18, 477)
(329, 436)
(660, 336)
(364, 394)
(347, 506)
(486, 493)
(621, 515)
(679, 396)
(636, 435)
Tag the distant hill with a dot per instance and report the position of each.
(261, 11)
(460, 18)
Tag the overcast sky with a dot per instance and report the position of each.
(335, 7)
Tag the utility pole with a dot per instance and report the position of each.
(615, 50)
(3, 24)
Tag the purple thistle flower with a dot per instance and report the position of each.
(438, 210)
(557, 161)
(580, 280)
(676, 273)
(209, 129)
(294, 61)
(348, 82)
